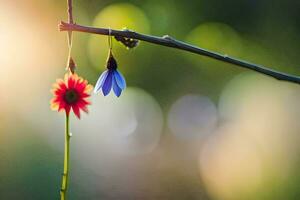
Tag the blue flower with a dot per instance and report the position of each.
(111, 78)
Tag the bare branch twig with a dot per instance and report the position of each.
(173, 43)
(71, 21)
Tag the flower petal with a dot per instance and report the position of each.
(120, 79)
(54, 105)
(76, 111)
(71, 82)
(88, 88)
(116, 88)
(100, 81)
(61, 84)
(81, 85)
(108, 83)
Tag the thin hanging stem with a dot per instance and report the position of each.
(65, 177)
(110, 44)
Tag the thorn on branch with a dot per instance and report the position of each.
(167, 37)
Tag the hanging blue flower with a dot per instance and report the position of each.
(111, 78)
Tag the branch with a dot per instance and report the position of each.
(173, 43)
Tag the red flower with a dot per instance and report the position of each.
(71, 93)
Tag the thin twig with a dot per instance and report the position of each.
(71, 21)
(70, 11)
(173, 43)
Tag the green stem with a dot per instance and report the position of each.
(65, 177)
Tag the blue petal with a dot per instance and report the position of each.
(120, 79)
(100, 81)
(107, 83)
(116, 88)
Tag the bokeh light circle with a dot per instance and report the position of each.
(243, 92)
(216, 37)
(131, 124)
(192, 116)
(221, 38)
(257, 141)
(230, 164)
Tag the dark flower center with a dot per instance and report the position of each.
(71, 96)
(111, 63)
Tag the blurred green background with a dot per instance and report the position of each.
(187, 127)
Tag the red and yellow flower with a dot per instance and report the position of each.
(71, 93)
